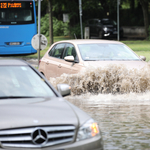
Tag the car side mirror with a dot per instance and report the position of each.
(69, 58)
(143, 58)
(64, 89)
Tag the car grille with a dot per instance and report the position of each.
(35, 137)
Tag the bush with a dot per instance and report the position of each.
(45, 25)
(59, 27)
(76, 31)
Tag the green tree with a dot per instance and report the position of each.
(100, 9)
(145, 5)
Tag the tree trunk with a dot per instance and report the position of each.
(50, 23)
(132, 5)
(144, 4)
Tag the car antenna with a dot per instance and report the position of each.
(75, 36)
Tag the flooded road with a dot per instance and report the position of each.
(124, 119)
(118, 99)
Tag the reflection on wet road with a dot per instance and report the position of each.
(124, 119)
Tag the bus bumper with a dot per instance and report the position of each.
(15, 50)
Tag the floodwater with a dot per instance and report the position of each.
(118, 99)
(124, 119)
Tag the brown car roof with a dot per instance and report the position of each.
(85, 41)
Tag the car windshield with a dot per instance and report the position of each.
(22, 82)
(108, 22)
(101, 51)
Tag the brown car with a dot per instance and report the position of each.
(72, 56)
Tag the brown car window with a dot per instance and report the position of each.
(50, 53)
(58, 51)
(70, 51)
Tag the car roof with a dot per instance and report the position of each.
(89, 41)
(12, 62)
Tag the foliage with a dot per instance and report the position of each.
(130, 13)
(75, 31)
(44, 7)
(59, 27)
(45, 25)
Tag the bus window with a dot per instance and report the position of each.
(2, 15)
(18, 12)
(28, 15)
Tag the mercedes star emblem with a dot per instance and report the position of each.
(39, 136)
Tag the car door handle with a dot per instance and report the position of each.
(47, 63)
(59, 66)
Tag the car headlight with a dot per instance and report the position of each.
(105, 29)
(88, 130)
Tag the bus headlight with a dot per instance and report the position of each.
(88, 130)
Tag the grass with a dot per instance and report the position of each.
(140, 47)
(144, 53)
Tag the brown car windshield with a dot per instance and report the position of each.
(94, 51)
(22, 82)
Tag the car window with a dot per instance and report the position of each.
(58, 51)
(108, 22)
(70, 51)
(22, 81)
(50, 53)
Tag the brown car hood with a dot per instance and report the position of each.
(35, 112)
(128, 64)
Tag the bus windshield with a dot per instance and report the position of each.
(12, 13)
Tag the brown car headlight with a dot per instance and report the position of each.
(88, 130)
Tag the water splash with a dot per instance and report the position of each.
(111, 79)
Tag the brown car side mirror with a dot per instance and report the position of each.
(69, 58)
(143, 58)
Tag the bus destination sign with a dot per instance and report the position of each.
(10, 5)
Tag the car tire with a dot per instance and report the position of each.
(100, 35)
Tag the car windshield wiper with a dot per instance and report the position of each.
(89, 60)
(13, 97)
